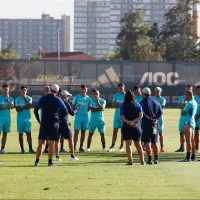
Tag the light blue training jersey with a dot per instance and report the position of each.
(86, 101)
(99, 115)
(138, 99)
(118, 98)
(20, 102)
(190, 109)
(181, 101)
(5, 114)
(197, 99)
(161, 100)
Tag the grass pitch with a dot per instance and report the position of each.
(99, 175)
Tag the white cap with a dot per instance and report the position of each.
(65, 93)
(158, 89)
(55, 88)
(146, 90)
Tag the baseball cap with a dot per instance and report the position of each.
(65, 93)
(158, 89)
(146, 90)
(47, 87)
(55, 88)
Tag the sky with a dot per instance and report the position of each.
(34, 8)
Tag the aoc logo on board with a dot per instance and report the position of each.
(160, 78)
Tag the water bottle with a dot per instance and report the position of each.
(155, 129)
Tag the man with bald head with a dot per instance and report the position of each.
(189, 112)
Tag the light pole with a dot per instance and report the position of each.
(29, 72)
(59, 51)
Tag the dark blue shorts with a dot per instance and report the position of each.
(65, 130)
(148, 136)
(49, 131)
(130, 133)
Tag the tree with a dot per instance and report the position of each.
(177, 34)
(112, 56)
(36, 57)
(134, 35)
(8, 53)
(145, 51)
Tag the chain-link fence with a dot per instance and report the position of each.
(104, 75)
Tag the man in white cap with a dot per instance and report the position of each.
(152, 112)
(64, 97)
(162, 101)
(49, 123)
(65, 128)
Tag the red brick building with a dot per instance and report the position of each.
(66, 56)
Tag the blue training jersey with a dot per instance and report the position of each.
(69, 111)
(50, 105)
(99, 115)
(138, 99)
(5, 114)
(181, 101)
(190, 109)
(118, 98)
(86, 101)
(197, 99)
(161, 100)
(151, 110)
(20, 102)
(197, 113)
(130, 110)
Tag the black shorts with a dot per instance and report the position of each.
(148, 136)
(49, 131)
(65, 130)
(130, 133)
(197, 128)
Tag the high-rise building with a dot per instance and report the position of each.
(27, 36)
(92, 27)
(97, 22)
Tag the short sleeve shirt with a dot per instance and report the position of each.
(86, 101)
(19, 102)
(5, 114)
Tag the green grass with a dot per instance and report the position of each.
(99, 175)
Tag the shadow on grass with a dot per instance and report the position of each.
(93, 158)
(17, 153)
(164, 157)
